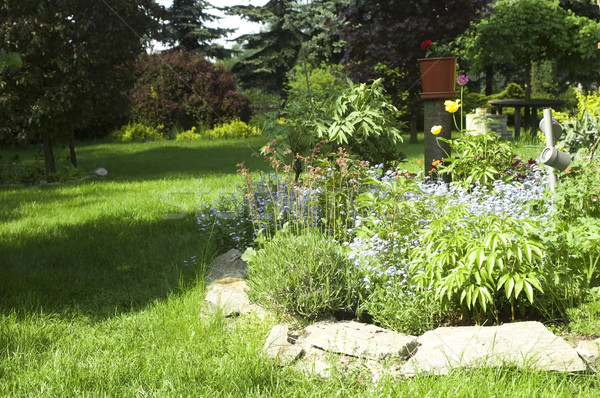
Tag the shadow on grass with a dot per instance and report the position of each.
(100, 268)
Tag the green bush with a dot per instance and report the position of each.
(190, 134)
(358, 117)
(585, 319)
(512, 90)
(478, 158)
(572, 238)
(234, 129)
(397, 308)
(467, 258)
(180, 88)
(582, 130)
(306, 275)
(138, 132)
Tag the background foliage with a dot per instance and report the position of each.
(178, 88)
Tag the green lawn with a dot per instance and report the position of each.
(101, 290)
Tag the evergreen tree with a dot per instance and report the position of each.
(294, 30)
(188, 29)
(274, 49)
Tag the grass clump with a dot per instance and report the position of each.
(585, 319)
(307, 275)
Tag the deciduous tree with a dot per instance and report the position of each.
(75, 54)
(520, 33)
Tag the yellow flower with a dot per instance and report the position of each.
(435, 130)
(452, 106)
(281, 120)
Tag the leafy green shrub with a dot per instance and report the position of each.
(14, 172)
(307, 275)
(138, 132)
(396, 307)
(234, 129)
(466, 258)
(512, 90)
(582, 131)
(319, 79)
(188, 135)
(572, 237)
(181, 88)
(471, 101)
(358, 117)
(478, 157)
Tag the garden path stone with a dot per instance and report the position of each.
(358, 340)
(523, 344)
(278, 348)
(227, 287)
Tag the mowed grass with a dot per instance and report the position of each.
(101, 288)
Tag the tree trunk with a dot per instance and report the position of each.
(489, 80)
(72, 154)
(49, 157)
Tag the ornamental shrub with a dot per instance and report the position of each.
(234, 129)
(307, 275)
(138, 132)
(581, 131)
(572, 237)
(357, 117)
(190, 134)
(178, 88)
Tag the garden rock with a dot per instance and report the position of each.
(358, 340)
(348, 345)
(278, 348)
(227, 287)
(523, 344)
(227, 265)
(588, 351)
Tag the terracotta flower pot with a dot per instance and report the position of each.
(438, 77)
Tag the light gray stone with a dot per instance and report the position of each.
(229, 296)
(227, 287)
(278, 348)
(358, 340)
(588, 350)
(522, 344)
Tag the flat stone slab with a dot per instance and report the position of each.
(229, 296)
(358, 340)
(524, 344)
(278, 348)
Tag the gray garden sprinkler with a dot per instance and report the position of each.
(550, 156)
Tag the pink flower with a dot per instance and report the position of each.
(462, 80)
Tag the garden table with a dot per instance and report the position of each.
(529, 105)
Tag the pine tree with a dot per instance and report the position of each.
(188, 29)
(274, 50)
